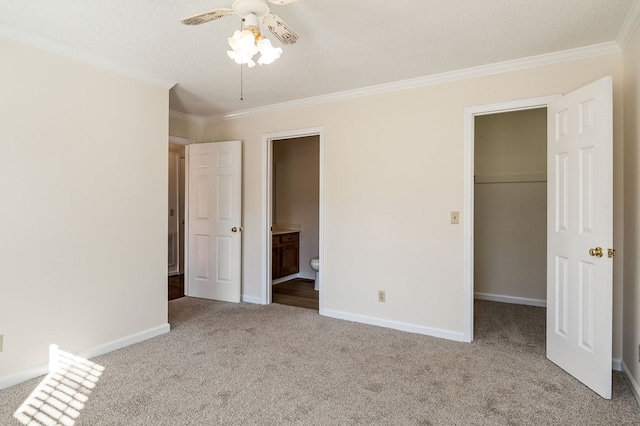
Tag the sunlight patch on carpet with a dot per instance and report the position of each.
(63, 393)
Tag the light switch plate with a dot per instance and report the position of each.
(455, 218)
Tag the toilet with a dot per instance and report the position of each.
(315, 265)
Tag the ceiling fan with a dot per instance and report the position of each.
(249, 41)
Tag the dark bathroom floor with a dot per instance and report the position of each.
(297, 292)
(176, 286)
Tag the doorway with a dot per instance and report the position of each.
(294, 230)
(176, 203)
(496, 184)
(176, 210)
(293, 212)
(510, 223)
(510, 207)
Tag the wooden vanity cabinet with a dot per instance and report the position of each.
(285, 254)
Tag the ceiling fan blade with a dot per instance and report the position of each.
(279, 28)
(207, 16)
(282, 1)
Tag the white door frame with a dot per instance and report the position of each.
(469, 172)
(267, 183)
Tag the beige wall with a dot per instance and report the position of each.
(394, 166)
(186, 129)
(512, 143)
(631, 251)
(510, 245)
(297, 165)
(84, 196)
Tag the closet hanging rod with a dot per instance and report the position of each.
(521, 178)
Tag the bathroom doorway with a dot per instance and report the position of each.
(295, 210)
(293, 217)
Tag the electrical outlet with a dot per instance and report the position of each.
(381, 296)
(455, 218)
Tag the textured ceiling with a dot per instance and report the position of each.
(343, 45)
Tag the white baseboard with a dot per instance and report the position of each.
(634, 385)
(396, 325)
(251, 299)
(40, 370)
(302, 275)
(511, 299)
(283, 279)
(307, 275)
(616, 364)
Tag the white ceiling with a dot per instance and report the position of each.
(343, 45)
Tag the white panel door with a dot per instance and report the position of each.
(215, 242)
(580, 220)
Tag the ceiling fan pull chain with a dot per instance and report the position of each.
(241, 90)
(241, 86)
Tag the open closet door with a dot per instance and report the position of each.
(215, 241)
(580, 234)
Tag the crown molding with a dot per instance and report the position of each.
(187, 117)
(629, 26)
(39, 42)
(180, 141)
(446, 77)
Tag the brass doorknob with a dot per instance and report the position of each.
(597, 252)
(234, 229)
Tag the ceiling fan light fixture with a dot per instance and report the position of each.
(246, 43)
(240, 60)
(243, 47)
(268, 53)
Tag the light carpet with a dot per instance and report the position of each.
(244, 364)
